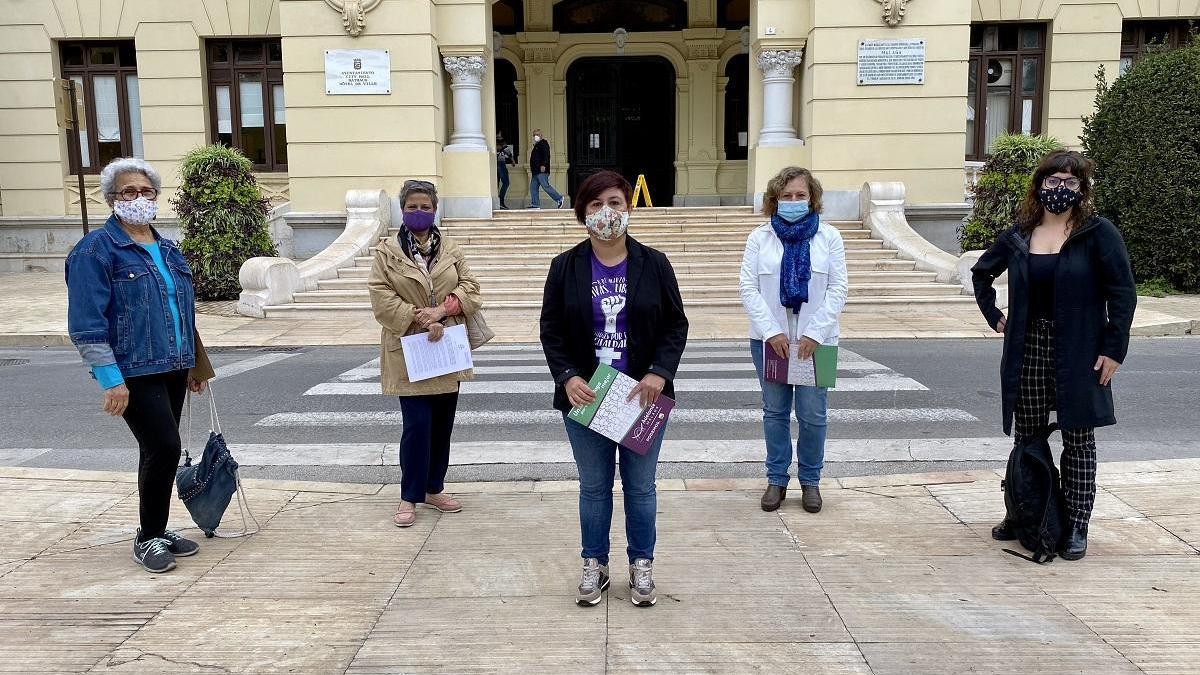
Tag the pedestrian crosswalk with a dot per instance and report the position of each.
(717, 388)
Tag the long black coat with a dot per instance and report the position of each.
(1093, 311)
(539, 157)
(657, 325)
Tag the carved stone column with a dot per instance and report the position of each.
(778, 83)
(466, 73)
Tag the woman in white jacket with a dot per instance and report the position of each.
(793, 286)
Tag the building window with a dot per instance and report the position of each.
(605, 16)
(508, 17)
(504, 76)
(733, 14)
(109, 110)
(246, 104)
(1139, 38)
(1004, 83)
(737, 107)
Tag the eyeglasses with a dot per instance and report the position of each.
(130, 193)
(1051, 182)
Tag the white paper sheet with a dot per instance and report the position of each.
(801, 372)
(616, 414)
(425, 359)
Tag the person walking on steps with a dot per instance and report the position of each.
(1071, 298)
(612, 300)
(420, 284)
(539, 170)
(504, 157)
(131, 313)
(793, 285)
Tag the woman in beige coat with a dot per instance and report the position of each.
(420, 283)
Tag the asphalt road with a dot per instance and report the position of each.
(895, 389)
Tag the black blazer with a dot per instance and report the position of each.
(539, 157)
(657, 325)
(1094, 299)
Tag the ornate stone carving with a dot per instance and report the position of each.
(703, 50)
(893, 11)
(539, 54)
(779, 61)
(465, 68)
(354, 13)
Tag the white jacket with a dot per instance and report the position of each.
(818, 318)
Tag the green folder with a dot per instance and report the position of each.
(601, 380)
(825, 361)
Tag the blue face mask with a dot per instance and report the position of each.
(793, 211)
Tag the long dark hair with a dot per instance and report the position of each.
(1060, 161)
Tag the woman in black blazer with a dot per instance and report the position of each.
(612, 300)
(1071, 298)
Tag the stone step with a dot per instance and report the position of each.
(728, 268)
(538, 276)
(697, 245)
(692, 257)
(853, 305)
(689, 293)
(637, 227)
(655, 238)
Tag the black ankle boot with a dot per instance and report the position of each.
(1075, 546)
(1003, 531)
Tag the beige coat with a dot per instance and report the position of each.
(398, 289)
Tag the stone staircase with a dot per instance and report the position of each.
(511, 252)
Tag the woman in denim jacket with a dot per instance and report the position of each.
(131, 313)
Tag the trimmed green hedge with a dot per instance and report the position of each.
(1145, 139)
(224, 217)
(1003, 183)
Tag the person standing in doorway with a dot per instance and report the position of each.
(504, 157)
(539, 170)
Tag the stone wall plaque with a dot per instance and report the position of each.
(891, 61)
(358, 71)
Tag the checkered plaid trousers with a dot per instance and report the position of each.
(1035, 400)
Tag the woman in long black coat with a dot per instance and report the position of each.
(1071, 298)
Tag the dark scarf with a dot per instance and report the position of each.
(796, 269)
(409, 244)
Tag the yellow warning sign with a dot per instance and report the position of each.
(641, 190)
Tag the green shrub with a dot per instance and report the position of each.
(1002, 185)
(1155, 288)
(224, 217)
(1145, 139)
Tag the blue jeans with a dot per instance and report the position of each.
(542, 180)
(811, 403)
(595, 458)
(502, 176)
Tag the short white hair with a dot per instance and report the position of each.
(122, 165)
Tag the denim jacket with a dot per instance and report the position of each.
(117, 309)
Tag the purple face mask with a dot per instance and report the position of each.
(418, 221)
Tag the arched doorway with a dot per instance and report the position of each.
(504, 76)
(621, 116)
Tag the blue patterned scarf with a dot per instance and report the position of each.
(796, 269)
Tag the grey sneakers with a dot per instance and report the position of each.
(153, 554)
(641, 583)
(592, 583)
(180, 546)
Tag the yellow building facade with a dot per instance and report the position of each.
(706, 98)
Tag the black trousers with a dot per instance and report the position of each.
(1035, 400)
(425, 444)
(155, 405)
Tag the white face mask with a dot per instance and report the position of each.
(537, 139)
(607, 223)
(140, 211)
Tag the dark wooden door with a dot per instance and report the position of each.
(621, 115)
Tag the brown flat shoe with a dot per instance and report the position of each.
(773, 497)
(443, 502)
(406, 515)
(810, 498)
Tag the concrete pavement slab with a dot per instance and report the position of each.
(831, 658)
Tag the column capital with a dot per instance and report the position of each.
(779, 61)
(465, 69)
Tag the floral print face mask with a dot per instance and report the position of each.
(607, 223)
(1058, 200)
(140, 211)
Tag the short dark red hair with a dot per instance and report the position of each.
(594, 185)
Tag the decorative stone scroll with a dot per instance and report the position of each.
(465, 69)
(893, 11)
(779, 62)
(354, 13)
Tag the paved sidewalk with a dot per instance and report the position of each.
(897, 575)
(33, 311)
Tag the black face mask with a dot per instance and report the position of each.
(1059, 200)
